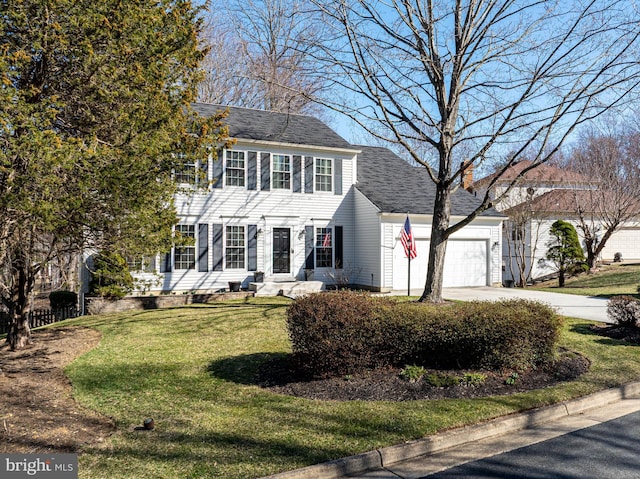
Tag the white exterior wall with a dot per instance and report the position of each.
(233, 205)
(369, 255)
(477, 243)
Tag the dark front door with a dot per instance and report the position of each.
(281, 250)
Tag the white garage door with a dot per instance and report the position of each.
(465, 264)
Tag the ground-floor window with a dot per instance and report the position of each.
(235, 247)
(185, 256)
(324, 248)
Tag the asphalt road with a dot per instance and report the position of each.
(608, 450)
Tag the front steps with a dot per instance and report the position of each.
(291, 289)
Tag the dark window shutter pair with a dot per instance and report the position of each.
(218, 247)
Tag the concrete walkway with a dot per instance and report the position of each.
(571, 305)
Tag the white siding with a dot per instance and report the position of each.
(232, 205)
(369, 254)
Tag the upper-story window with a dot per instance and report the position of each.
(281, 172)
(184, 172)
(323, 174)
(185, 256)
(235, 172)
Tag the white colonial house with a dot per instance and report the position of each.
(296, 202)
(541, 196)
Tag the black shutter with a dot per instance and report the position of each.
(338, 244)
(308, 174)
(265, 171)
(337, 176)
(216, 233)
(216, 177)
(203, 247)
(252, 170)
(252, 246)
(309, 244)
(297, 173)
(165, 263)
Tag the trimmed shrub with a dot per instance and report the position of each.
(334, 334)
(337, 333)
(624, 310)
(63, 299)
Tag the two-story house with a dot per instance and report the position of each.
(540, 197)
(295, 201)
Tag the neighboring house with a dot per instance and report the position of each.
(294, 200)
(542, 196)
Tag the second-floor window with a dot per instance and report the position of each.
(323, 174)
(281, 172)
(235, 247)
(185, 256)
(235, 172)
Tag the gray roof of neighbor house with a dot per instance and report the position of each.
(394, 186)
(250, 124)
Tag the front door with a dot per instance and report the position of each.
(281, 250)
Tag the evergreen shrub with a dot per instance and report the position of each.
(62, 299)
(338, 333)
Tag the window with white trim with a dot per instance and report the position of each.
(185, 256)
(323, 174)
(281, 179)
(235, 168)
(235, 247)
(324, 248)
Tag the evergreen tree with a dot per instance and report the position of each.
(564, 250)
(94, 103)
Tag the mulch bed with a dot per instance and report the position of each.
(37, 411)
(387, 384)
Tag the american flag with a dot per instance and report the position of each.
(326, 241)
(408, 243)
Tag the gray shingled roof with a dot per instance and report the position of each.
(394, 186)
(250, 124)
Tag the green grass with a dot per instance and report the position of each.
(190, 369)
(610, 280)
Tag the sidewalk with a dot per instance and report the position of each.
(436, 453)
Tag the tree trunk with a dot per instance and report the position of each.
(23, 280)
(437, 246)
(561, 278)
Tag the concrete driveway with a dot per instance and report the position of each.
(574, 306)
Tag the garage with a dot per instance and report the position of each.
(465, 264)
(625, 241)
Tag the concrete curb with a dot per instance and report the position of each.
(387, 456)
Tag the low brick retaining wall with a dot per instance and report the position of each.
(140, 303)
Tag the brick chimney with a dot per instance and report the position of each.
(467, 175)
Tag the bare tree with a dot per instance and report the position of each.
(474, 79)
(612, 162)
(259, 57)
(523, 230)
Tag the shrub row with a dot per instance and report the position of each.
(624, 310)
(343, 332)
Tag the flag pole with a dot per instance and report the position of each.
(409, 269)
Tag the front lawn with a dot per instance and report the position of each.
(191, 369)
(607, 281)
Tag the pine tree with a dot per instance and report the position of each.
(94, 102)
(564, 250)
